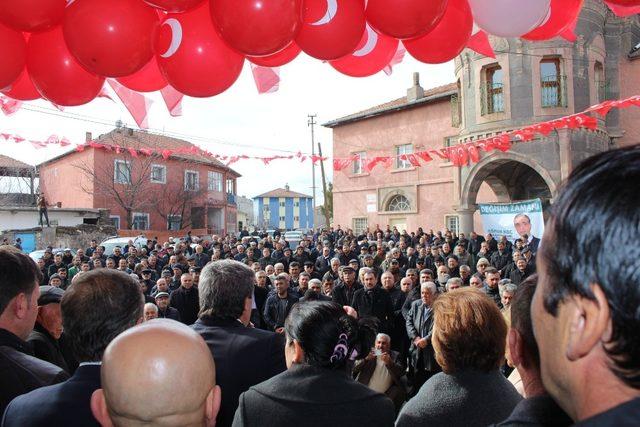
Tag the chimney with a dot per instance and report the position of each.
(88, 137)
(119, 124)
(416, 91)
(286, 187)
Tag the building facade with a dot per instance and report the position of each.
(285, 210)
(245, 213)
(179, 192)
(525, 84)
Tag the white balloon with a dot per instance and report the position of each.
(372, 40)
(332, 9)
(509, 18)
(176, 37)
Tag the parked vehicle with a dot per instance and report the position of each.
(36, 255)
(293, 238)
(112, 242)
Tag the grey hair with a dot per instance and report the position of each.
(334, 260)
(278, 264)
(224, 286)
(431, 286)
(509, 288)
(465, 268)
(453, 280)
(315, 282)
(385, 336)
(151, 305)
(366, 270)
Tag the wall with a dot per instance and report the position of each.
(62, 181)
(26, 218)
(66, 237)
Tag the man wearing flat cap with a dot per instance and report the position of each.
(345, 289)
(48, 328)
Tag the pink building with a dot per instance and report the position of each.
(525, 84)
(185, 191)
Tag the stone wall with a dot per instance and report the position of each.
(65, 237)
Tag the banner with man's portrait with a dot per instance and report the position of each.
(518, 220)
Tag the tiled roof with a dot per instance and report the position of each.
(282, 192)
(395, 105)
(10, 162)
(131, 138)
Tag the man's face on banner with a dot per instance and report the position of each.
(522, 225)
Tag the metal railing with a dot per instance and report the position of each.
(491, 98)
(553, 91)
(456, 110)
(231, 199)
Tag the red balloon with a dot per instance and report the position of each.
(373, 53)
(32, 15)
(563, 14)
(447, 39)
(257, 27)
(626, 3)
(175, 6)
(331, 29)
(111, 38)
(405, 19)
(13, 51)
(278, 59)
(193, 57)
(55, 72)
(22, 88)
(148, 79)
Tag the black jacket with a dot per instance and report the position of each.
(20, 372)
(60, 405)
(272, 316)
(187, 302)
(310, 396)
(343, 295)
(537, 411)
(500, 260)
(376, 303)
(46, 348)
(244, 357)
(169, 313)
(323, 264)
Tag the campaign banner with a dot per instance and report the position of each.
(518, 220)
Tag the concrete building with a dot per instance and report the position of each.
(284, 209)
(175, 191)
(527, 83)
(245, 212)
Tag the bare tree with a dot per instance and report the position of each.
(176, 200)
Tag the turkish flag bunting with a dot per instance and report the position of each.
(9, 106)
(474, 154)
(173, 100)
(137, 104)
(133, 152)
(397, 59)
(479, 42)
(424, 156)
(267, 79)
(166, 154)
(340, 164)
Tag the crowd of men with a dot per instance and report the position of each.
(85, 300)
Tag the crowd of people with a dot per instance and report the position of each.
(377, 328)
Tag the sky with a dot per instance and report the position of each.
(238, 121)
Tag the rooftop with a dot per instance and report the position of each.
(282, 192)
(11, 163)
(399, 104)
(131, 138)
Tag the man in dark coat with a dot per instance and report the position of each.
(373, 301)
(345, 289)
(500, 258)
(100, 305)
(20, 372)
(419, 329)
(164, 310)
(279, 304)
(48, 328)
(185, 299)
(227, 287)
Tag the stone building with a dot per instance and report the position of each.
(525, 84)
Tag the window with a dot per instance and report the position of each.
(493, 90)
(400, 150)
(174, 222)
(282, 204)
(551, 83)
(281, 218)
(358, 163)
(359, 225)
(215, 181)
(158, 174)
(140, 221)
(398, 203)
(191, 181)
(121, 172)
(115, 220)
(296, 218)
(601, 85)
(452, 223)
(231, 186)
(296, 204)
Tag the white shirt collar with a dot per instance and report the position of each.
(90, 363)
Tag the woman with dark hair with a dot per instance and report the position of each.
(469, 336)
(317, 390)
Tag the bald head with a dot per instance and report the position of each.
(167, 359)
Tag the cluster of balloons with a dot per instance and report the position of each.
(62, 50)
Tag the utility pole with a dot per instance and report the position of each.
(327, 215)
(311, 122)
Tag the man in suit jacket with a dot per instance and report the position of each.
(382, 370)
(419, 329)
(48, 328)
(94, 296)
(373, 301)
(343, 292)
(243, 356)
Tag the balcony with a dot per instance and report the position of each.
(554, 91)
(231, 199)
(491, 98)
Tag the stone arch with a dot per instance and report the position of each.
(388, 198)
(502, 171)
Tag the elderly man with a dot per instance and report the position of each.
(48, 328)
(453, 284)
(185, 299)
(315, 285)
(373, 301)
(279, 304)
(225, 299)
(382, 370)
(506, 294)
(585, 308)
(100, 305)
(419, 329)
(150, 311)
(343, 292)
(164, 310)
(181, 396)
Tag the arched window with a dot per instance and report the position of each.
(398, 203)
